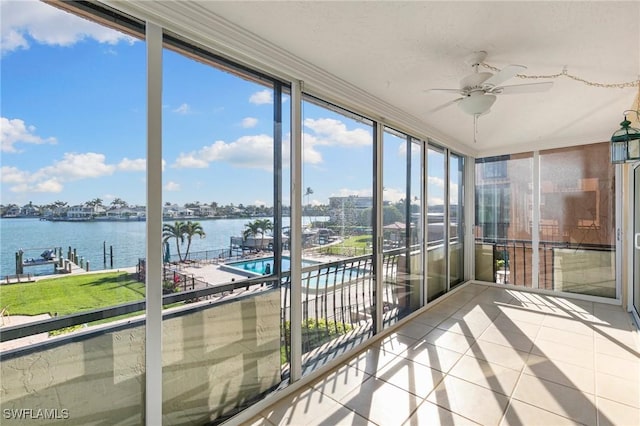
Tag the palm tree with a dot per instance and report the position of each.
(190, 229)
(264, 225)
(252, 229)
(174, 231)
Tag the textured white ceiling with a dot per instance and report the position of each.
(395, 50)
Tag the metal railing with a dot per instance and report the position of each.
(512, 259)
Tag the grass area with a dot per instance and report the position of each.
(70, 294)
(351, 246)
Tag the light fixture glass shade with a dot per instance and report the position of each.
(477, 103)
(625, 143)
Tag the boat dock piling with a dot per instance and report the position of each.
(53, 257)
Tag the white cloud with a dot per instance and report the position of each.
(136, 165)
(183, 109)
(435, 181)
(262, 97)
(10, 174)
(172, 187)
(190, 161)
(436, 201)
(254, 152)
(77, 166)
(329, 131)
(72, 167)
(249, 122)
(345, 192)
(259, 203)
(27, 21)
(394, 195)
(15, 131)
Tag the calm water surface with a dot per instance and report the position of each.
(33, 236)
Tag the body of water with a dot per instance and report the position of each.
(34, 236)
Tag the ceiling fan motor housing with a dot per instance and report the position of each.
(474, 81)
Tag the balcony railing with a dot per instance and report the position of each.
(563, 266)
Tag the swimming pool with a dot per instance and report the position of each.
(262, 266)
(317, 278)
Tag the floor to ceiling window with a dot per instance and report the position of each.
(575, 232)
(337, 235)
(456, 219)
(504, 217)
(577, 220)
(436, 230)
(401, 225)
(223, 349)
(73, 210)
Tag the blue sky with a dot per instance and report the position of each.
(74, 123)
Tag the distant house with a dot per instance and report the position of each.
(84, 212)
(29, 210)
(12, 211)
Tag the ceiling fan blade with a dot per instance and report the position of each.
(444, 105)
(505, 74)
(456, 91)
(523, 88)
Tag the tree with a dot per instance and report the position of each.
(174, 231)
(119, 203)
(264, 225)
(190, 229)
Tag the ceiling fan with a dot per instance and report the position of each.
(478, 91)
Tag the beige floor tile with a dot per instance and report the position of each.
(522, 414)
(372, 359)
(474, 311)
(310, 407)
(571, 325)
(562, 373)
(411, 376)
(431, 318)
(611, 413)
(488, 375)
(561, 400)
(522, 314)
(431, 414)
(625, 391)
(449, 340)
(630, 338)
(469, 328)
(505, 323)
(469, 400)
(413, 329)
(432, 356)
(576, 340)
(619, 367)
(381, 402)
(562, 352)
(614, 318)
(445, 307)
(627, 349)
(514, 339)
(341, 381)
(396, 343)
(498, 354)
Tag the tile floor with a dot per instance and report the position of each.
(487, 356)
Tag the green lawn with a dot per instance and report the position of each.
(351, 246)
(70, 294)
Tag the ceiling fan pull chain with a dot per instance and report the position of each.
(475, 128)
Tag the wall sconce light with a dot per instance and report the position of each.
(625, 142)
